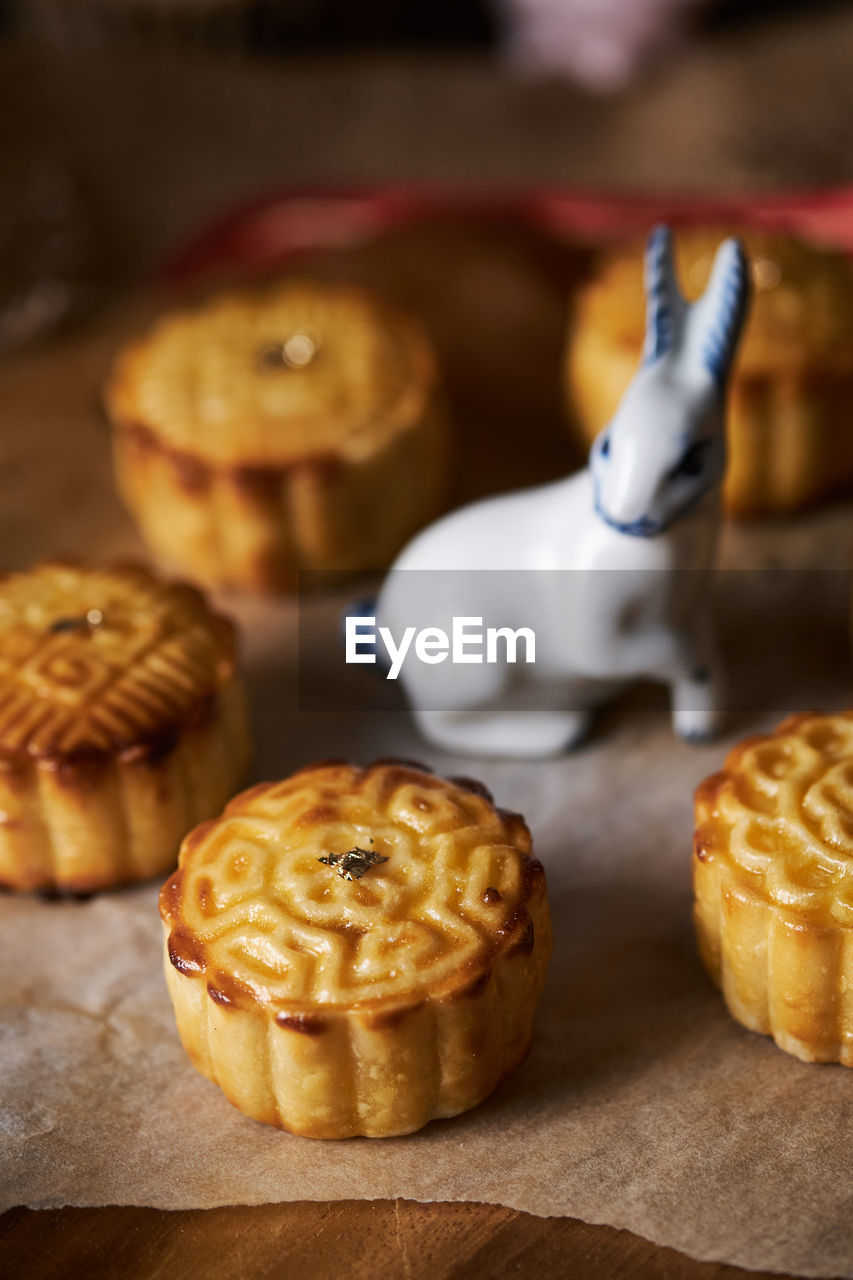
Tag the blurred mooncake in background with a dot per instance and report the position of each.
(122, 724)
(791, 394)
(263, 432)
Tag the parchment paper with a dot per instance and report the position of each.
(642, 1104)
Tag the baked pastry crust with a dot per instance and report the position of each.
(261, 433)
(792, 386)
(332, 1006)
(773, 884)
(122, 724)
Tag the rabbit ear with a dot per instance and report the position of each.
(665, 307)
(716, 320)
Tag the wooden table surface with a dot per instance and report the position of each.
(305, 1241)
(159, 147)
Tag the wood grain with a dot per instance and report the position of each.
(395, 1240)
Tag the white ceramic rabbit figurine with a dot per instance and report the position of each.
(608, 568)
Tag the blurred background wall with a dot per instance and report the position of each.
(600, 42)
(127, 124)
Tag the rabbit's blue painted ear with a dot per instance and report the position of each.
(716, 320)
(665, 307)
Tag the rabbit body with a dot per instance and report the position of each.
(609, 568)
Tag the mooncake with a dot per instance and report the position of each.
(773, 883)
(263, 433)
(122, 724)
(791, 391)
(357, 950)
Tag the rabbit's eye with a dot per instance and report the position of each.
(692, 462)
(605, 447)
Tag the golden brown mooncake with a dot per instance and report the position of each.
(773, 884)
(263, 433)
(791, 390)
(122, 724)
(357, 950)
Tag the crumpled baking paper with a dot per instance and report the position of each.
(642, 1104)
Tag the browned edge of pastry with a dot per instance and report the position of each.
(515, 933)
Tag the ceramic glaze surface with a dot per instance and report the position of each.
(609, 567)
